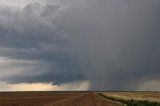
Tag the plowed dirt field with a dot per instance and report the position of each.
(54, 99)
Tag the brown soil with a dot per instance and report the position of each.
(54, 99)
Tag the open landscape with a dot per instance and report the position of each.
(134, 98)
(54, 99)
(149, 96)
(80, 98)
(79, 52)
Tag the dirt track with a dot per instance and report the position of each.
(54, 99)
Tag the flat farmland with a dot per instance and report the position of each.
(149, 96)
(54, 99)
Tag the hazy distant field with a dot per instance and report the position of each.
(151, 96)
(54, 99)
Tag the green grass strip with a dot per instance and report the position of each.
(131, 102)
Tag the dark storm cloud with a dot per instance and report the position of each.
(113, 43)
(119, 41)
(30, 34)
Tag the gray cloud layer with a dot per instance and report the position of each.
(30, 34)
(113, 43)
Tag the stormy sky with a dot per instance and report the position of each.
(80, 44)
